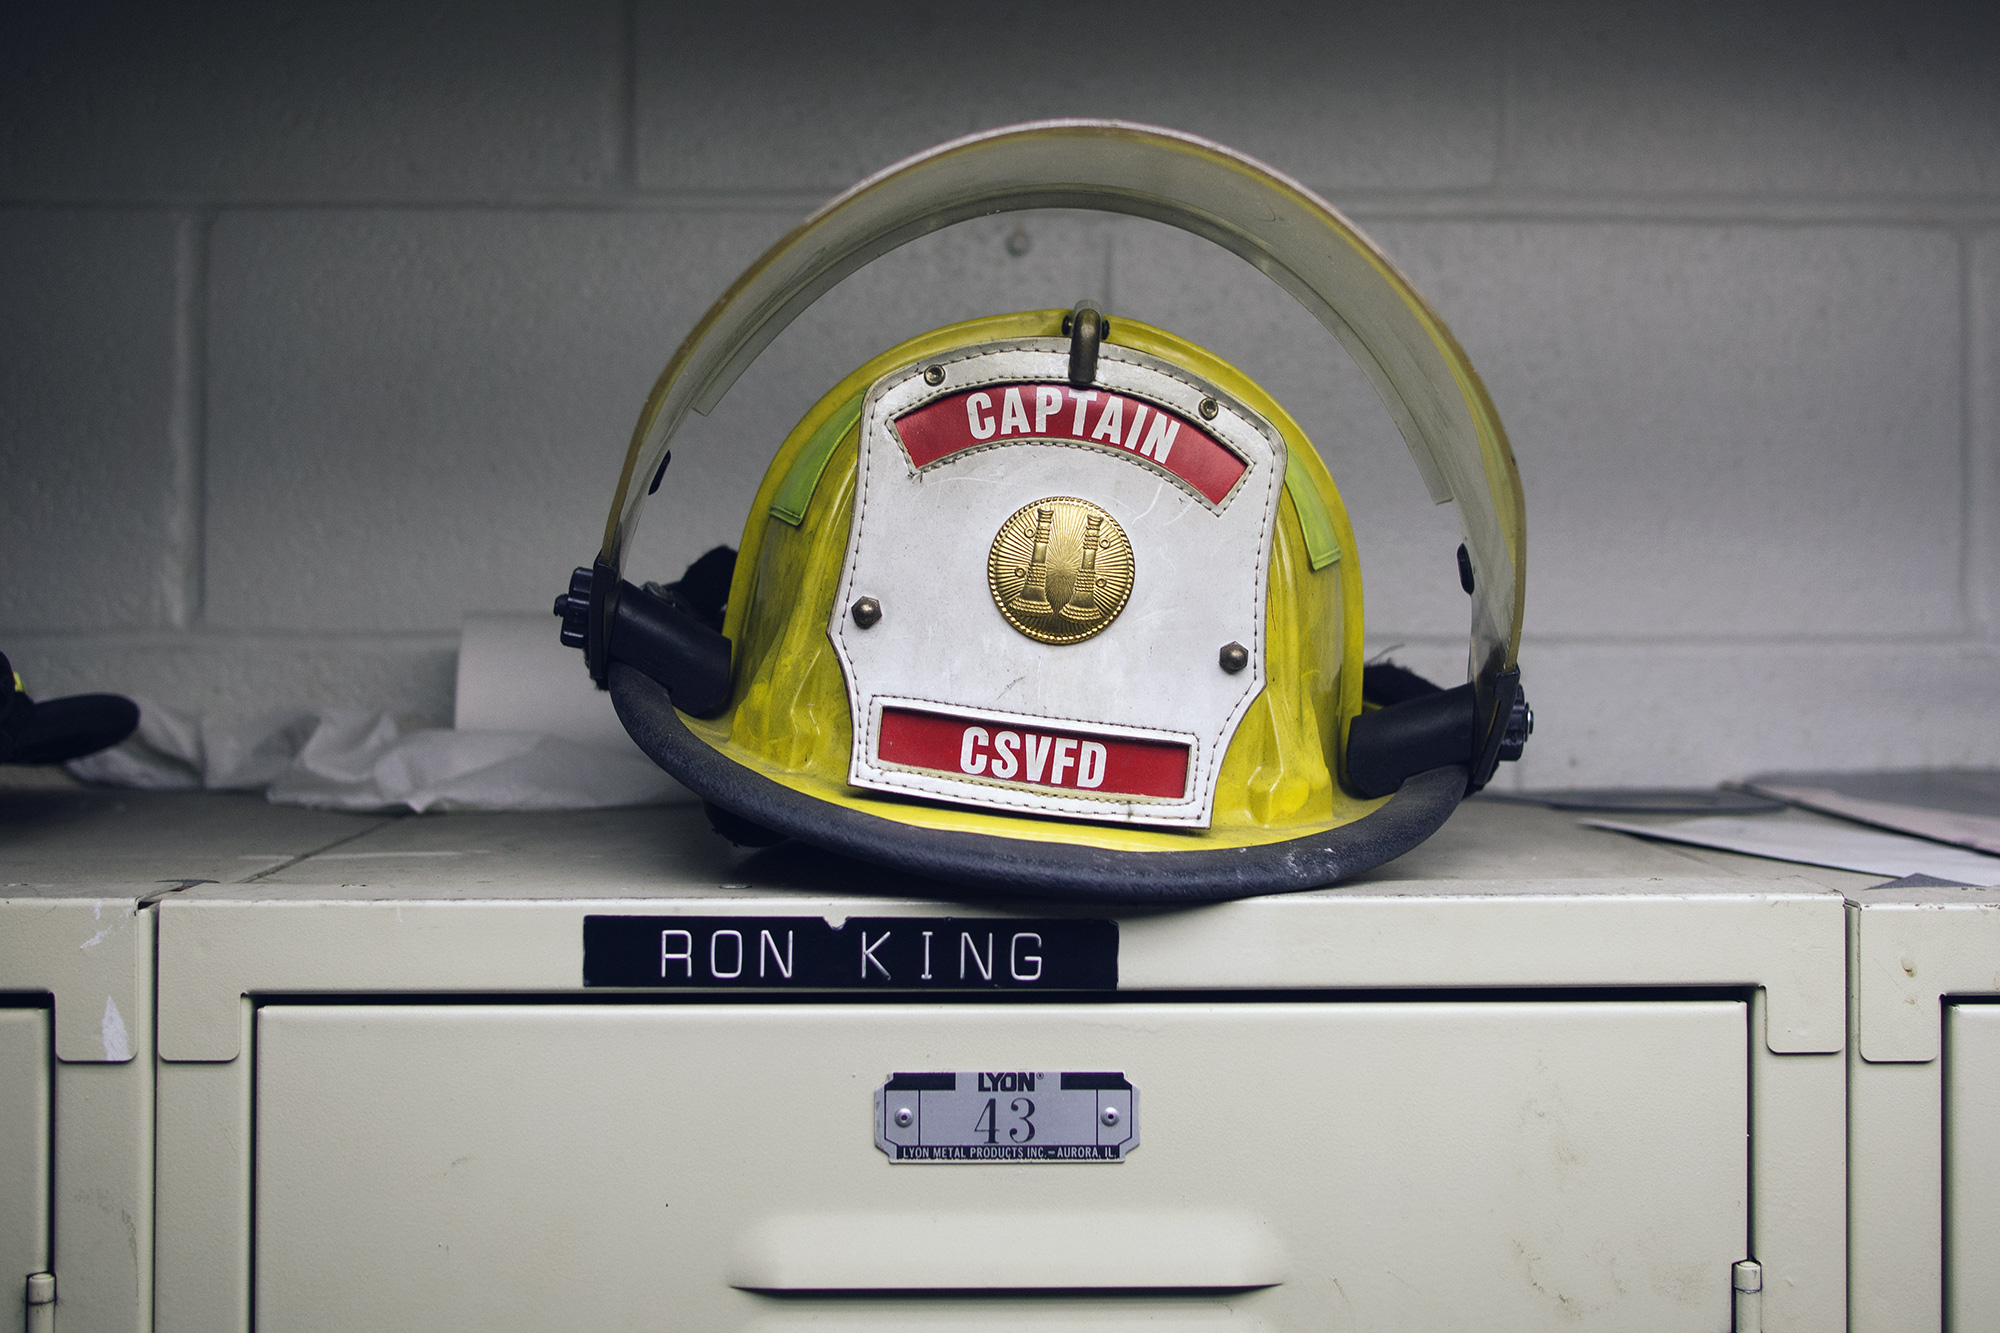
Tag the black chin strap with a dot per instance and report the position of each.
(1427, 728)
(672, 633)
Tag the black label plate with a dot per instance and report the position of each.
(864, 953)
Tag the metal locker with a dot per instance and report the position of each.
(25, 1057)
(80, 875)
(1972, 1165)
(76, 1081)
(1387, 1164)
(1530, 1076)
(1920, 1086)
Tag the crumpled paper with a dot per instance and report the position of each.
(352, 759)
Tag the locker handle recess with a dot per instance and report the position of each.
(1188, 1252)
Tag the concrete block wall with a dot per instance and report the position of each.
(327, 324)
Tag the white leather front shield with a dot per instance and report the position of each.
(1079, 663)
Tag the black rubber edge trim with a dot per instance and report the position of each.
(987, 863)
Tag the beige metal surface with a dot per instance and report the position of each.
(1495, 1166)
(24, 1157)
(1504, 896)
(93, 957)
(1912, 950)
(52, 841)
(336, 904)
(78, 871)
(78, 867)
(1972, 1166)
(1916, 945)
(670, 852)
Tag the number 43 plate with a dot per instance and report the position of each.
(1007, 1116)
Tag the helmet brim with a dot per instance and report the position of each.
(979, 865)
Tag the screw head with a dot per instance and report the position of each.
(1110, 1115)
(866, 611)
(1209, 408)
(1234, 657)
(934, 375)
(903, 1117)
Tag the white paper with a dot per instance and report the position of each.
(363, 761)
(1813, 843)
(515, 675)
(1979, 832)
(533, 734)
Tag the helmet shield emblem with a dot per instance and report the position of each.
(1057, 569)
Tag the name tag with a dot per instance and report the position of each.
(863, 953)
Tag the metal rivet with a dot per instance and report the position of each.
(1209, 407)
(1234, 657)
(1110, 1115)
(934, 374)
(903, 1117)
(867, 611)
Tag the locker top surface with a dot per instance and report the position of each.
(1488, 847)
(1505, 896)
(136, 845)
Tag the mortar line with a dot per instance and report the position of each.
(228, 635)
(323, 639)
(1968, 435)
(1503, 133)
(1983, 436)
(625, 150)
(1470, 204)
(1558, 639)
(198, 308)
(186, 426)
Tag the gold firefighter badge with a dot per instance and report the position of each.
(1060, 569)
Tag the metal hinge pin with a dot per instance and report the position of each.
(41, 1303)
(1747, 1281)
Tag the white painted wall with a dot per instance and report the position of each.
(324, 325)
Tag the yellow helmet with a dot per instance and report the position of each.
(1057, 604)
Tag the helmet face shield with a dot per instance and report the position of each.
(1038, 603)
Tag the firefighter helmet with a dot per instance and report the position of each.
(1056, 603)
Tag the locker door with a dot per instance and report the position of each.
(1972, 1166)
(24, 1158)
(1436, 1166)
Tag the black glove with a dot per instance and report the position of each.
(60, 729)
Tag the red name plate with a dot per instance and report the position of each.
(1040, 756)
(1057, 412)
